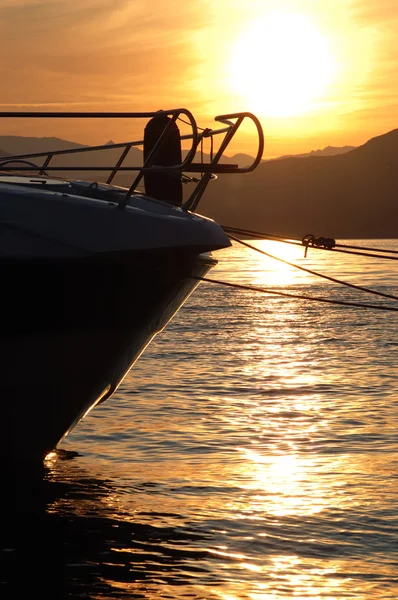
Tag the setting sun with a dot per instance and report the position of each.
(281, 65)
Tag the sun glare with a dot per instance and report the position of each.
(281, 65)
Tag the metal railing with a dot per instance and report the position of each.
(231, 123)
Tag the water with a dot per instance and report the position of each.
(250, 454)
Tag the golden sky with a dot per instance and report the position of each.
(316, 72)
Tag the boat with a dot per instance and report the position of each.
(92, 271)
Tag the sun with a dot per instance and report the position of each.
(282, 65)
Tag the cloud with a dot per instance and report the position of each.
(88, 49)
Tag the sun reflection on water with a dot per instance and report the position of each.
(271, 272)
(279, 485)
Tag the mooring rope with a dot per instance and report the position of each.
(296, 296)
(343, 248)
(328, 277)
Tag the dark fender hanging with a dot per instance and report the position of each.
(163, 186)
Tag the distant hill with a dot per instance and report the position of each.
(352, 195)
(328, 151)
(30, 145)
(338, 192)
(243, 160)
(16, 144)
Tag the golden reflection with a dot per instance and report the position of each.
(268, 271)
(223, 595)
(251, 567)
(307, 580)
(274, 335)
(51, 458)
(282, 483)
(225, 553)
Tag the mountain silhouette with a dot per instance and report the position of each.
(17, 144)
(336, 192)
(349, 195)
(328, 151)
(13, 145)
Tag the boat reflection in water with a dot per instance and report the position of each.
(70, 537)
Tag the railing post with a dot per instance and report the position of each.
(46, 163)
(119, 163)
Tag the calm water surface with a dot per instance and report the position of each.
(250, 454)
